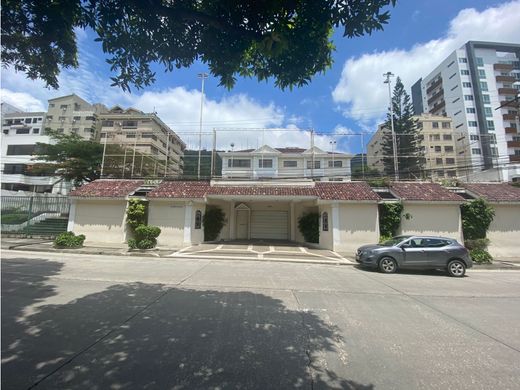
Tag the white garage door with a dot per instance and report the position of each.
(270, 224)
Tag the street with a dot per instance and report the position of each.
(114, 322)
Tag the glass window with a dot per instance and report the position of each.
(448, 149)
(317, 164)
(481, 74)
(464, 72)
(265, 163)
(36, 131)
(131, 135)
(438, 149)
(452, 173)
(487, 111)
(470, 110)
(20, 150)
(90, 118)
(476, 151)
(494, 151)
(468, 97)
(438, 161)
(239, 163)
(466, 84)
(450, 160)
(435, 125)
(325, 221)
(483, 86)
(198, 219)
(446, 125)
(463, 60)
(27, 120)
(435, 137)
(446, 137)
(474, 137)
(63, 106)
(130, 124)
(107, 123)
(25, 130)
(472, 123)
(490, 125)
(337, 164)
(480, 61)
(51, 105)
(290, 164)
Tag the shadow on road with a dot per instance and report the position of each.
(142, 336)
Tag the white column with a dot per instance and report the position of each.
(293, 223)
(188, 207)
(335, 226)
(72, 216)
(232, 232)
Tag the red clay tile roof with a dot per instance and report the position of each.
(495, 192)
(430, 192)
(345, 191)
(262, 191)
(107, 188)
(180, 189)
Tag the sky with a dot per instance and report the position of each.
(343, 106)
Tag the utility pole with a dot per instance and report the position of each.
(202, 76)
(394, 141)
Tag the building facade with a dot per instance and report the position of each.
(148, 135)
(296, 163)
(442, 145)
(72, 114)
(21, 131)
(469, 86)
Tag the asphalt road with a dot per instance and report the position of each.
(92, 322)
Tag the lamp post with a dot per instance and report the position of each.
(202, 76)
(394, 141)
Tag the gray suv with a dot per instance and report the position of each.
(416, 252)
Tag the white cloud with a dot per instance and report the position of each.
(360, 91)
(22, 100)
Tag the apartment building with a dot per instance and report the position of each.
(21, 131)
(268, 162)
(72, 114)
(145, 133)
(469, 86)
(443, 147)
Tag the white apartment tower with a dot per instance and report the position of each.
(469, 86)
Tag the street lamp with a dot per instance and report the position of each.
(202, 76)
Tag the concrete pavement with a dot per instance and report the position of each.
(101, 322)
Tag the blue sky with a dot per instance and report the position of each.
(348, 99)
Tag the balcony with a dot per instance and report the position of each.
(437, 107)
(503, 67)
(510, 130)
(514, 158)
(513, 144)
(508, 91)
(436, 96)
(505, 79)
(509, 117)
(434, 85)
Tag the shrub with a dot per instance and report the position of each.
(145, 237)
(476, 218)
(136, 213)
(309, 227)
(389, 218)
(214, 220)
(480, 243)
(384, 238)
(480, 256)
(69, 240)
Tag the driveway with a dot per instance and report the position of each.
(101, 322)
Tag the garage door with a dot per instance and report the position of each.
(270, 225)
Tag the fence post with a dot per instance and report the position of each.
(29, 214)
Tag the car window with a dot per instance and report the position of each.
(435, 242)
(414, 243)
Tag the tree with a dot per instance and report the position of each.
(290, 41)
(70, 156)
(410, 156)
(366, 172)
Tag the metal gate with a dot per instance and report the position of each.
(38, 215)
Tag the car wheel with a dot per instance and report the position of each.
(456, 268)
(387, 265)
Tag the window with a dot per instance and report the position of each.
(474, 137)
(450, 160)
(440, 173)
(24, 130)
(290, 164)
(103, 135)
(463, 60)
(20, 150)
(487, 111)
(198, 219)
(49, 118)
(61, 118)
(265, 163)
(130, 124)
(494, 152)
(51, 105)
(464, 72)
(317, 164)
(466, 84)
(472, 124)
(14, 169)
(480, 61)
(6, 131)
(239, 163)
(468, 97)
(476, 151)
(470, 110)
(481, 74)
(90, 118)
(35, 120)
(435, 125)
(131, 135)
(27, 120)
(325, 221)
(63, 107)
(448, 149)
(492, 138)
(446, 137)
(36, 131)
(483, 86)
(446, 125)
(435, 137)
(438, 149)
(107, 123)
(60, 130)
(337, 164)
(438, 161)
(490, 125)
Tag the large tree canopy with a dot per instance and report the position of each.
(289, 41)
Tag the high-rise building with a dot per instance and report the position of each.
(148, 135)
(469, 86)
(441, 144)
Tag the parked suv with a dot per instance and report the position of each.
(416, 252)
